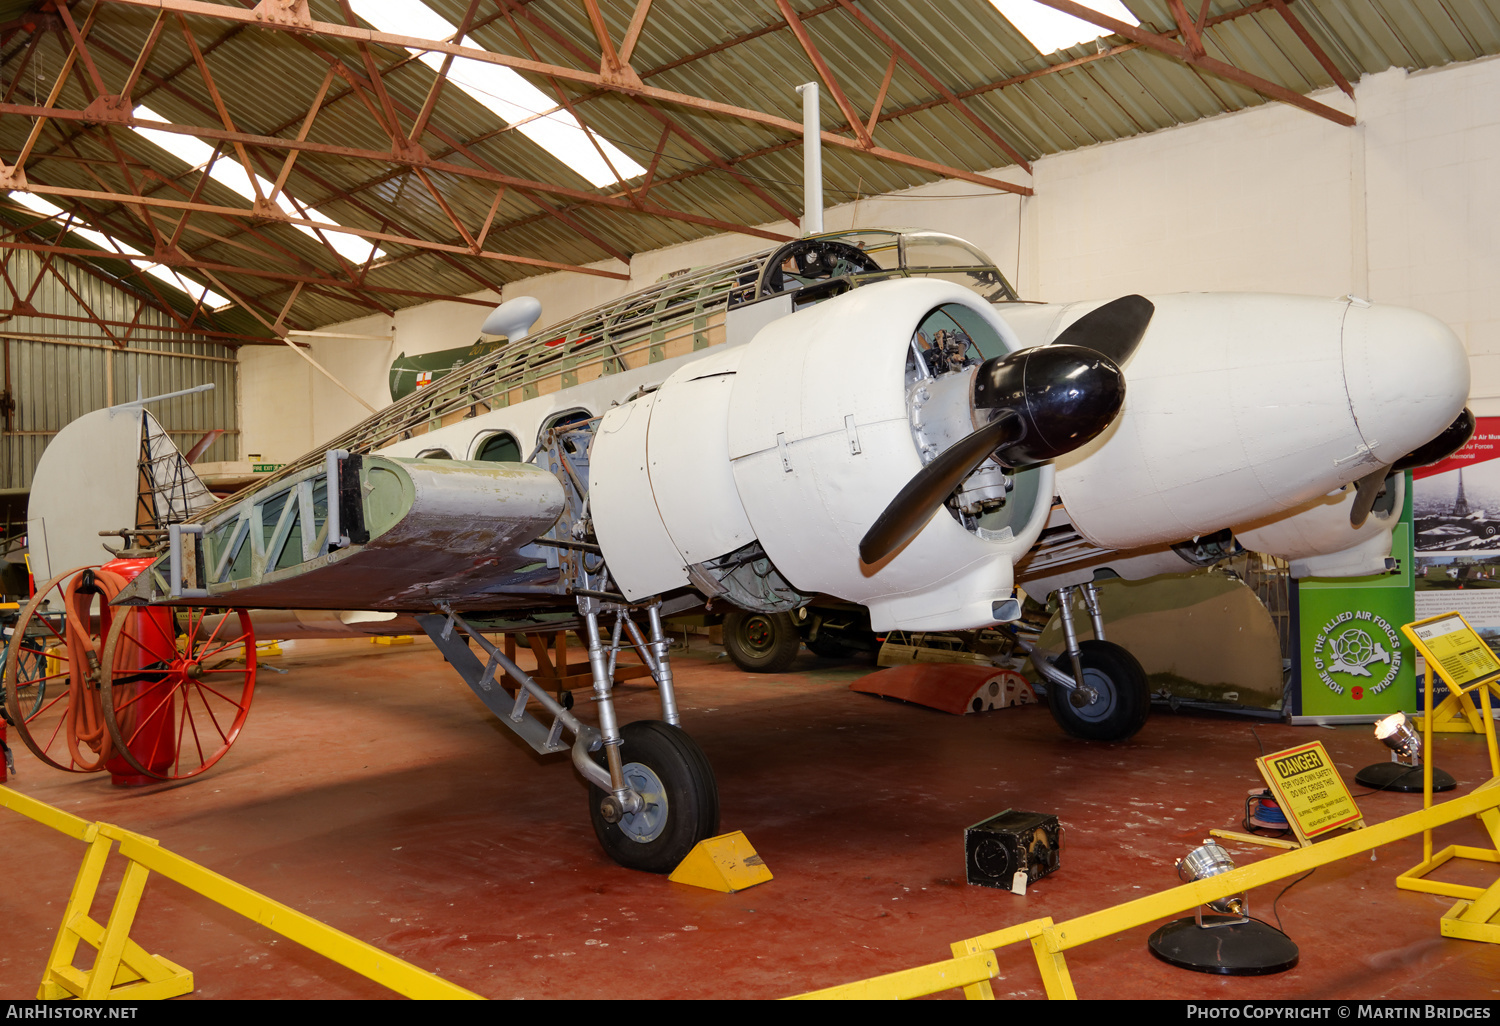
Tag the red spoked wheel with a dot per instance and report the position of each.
(52, 670)
(176, 687)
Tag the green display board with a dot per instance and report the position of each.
(1354, 659)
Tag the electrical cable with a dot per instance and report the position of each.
(1278, 897)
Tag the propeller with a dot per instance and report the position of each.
(1370, 487)
(1113, 330)
(1045, 401)
(1454, 437)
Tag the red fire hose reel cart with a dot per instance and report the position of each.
(146, 692)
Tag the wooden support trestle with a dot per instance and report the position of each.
(554, 672)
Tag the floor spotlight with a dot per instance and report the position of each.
(1404, 770)
(1225, 940)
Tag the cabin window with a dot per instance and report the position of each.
(501, 447)
(562, 420)
(434, 454)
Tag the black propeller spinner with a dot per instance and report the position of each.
(1046, 401)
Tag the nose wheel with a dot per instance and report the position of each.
(1117, 698)
(679, 799)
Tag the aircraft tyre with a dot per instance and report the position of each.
(1124, 696)
(761, 642)
(672, 774)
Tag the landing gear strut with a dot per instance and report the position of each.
(654, 796)
(1107, 696)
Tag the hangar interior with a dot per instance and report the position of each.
(291, 199)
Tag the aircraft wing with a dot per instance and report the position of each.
(399, 534)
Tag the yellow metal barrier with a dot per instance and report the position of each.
(1049, 940)
(122, 970)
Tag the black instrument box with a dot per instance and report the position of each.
(1010, 843)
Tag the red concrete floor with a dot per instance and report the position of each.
(371, 790)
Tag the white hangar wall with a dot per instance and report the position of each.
(1402, 209)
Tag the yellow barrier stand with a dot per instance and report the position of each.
(122, 970)
(910, 983)
(1452, 650)
(1049, 941)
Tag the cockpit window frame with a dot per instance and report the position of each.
(980, 274)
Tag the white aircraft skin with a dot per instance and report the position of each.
(1242, 411)
(771, 461)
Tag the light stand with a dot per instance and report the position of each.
(1403, 772)
(1228, 943)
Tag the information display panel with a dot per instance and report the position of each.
(1454, 650)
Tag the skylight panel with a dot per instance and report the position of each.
(230, 173)
(161, 272)
(504, 92)
(1050, 30)
(34, 202)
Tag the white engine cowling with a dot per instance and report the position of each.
(1241, 408)
(797, 441)
(1319, 541)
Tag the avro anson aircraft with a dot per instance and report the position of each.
(867, 415)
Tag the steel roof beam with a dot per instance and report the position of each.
(670, 125)
(125, 285)
(824, 72)
(356, 35)
(110, 108)
(1172, 48)
(483, 169)
(1319, 54)
(609, 65)
(933, 81)
(365, 233)
(253, 272)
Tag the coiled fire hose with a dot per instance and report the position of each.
(89, 743)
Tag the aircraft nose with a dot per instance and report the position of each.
(1407, 376)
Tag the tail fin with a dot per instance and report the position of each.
(108, 470)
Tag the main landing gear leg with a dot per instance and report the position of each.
(655, 796)
(662, 798)
(1107, 697)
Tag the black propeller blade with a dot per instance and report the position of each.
(1366, 491)
(1370, 487)
(1114, 329)
(1048, 400)
(909, 511)
(1454, 437)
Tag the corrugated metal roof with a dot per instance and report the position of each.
(735, 51)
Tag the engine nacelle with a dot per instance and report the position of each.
(1319, 541)
(765, 465)
(1243, 407)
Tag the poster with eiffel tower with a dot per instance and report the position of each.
(1456, 521)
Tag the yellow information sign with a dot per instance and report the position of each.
(1454, 649)
(1309, 790)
